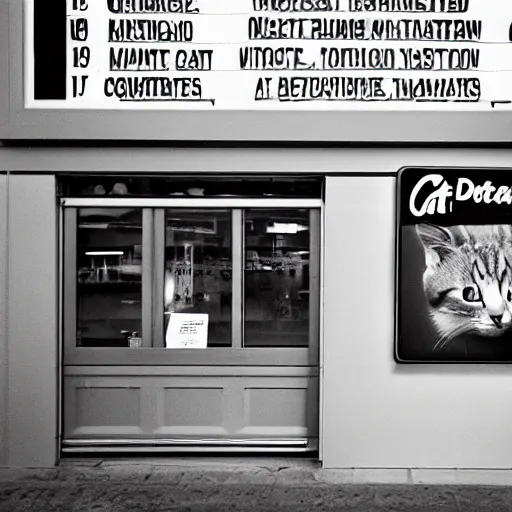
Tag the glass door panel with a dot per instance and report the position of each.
(198, 273)
(109, 277)
(276, 278)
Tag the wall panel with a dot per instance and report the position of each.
(4, 350)
(32, 326)
(378, 414)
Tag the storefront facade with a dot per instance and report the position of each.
(226, 281)
(372, 411)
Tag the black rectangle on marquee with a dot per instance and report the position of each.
(454, 266)
(49, 49)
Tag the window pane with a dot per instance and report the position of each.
(198, 266)
(109, 287)
(276, 286)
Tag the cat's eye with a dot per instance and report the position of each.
(470, 294)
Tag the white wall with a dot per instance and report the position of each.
(32, 322)
(4, 352)
(205, 160)
(378, 414)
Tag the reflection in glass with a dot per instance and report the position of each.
(198, 269)
(276, 279)
(109, 280)
(105, 185)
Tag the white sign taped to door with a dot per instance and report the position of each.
(187, 330)
(269, 54)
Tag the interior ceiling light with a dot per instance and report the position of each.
(104, 253)
(286, 228)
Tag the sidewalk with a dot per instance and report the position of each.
(259, 484)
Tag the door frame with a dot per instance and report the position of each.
(226, 357)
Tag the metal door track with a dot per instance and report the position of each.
(188, 445)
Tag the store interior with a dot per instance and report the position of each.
(197, 274)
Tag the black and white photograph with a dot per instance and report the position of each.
(255, 255)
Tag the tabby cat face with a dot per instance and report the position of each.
(468, 279)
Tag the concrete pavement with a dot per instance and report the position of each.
(259, 484)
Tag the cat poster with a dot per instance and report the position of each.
(454, 266)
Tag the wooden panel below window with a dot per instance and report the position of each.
(240, 403)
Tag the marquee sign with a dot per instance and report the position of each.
(269, 54)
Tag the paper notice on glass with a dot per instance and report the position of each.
(187, 330)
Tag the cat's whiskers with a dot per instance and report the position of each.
(450, 335)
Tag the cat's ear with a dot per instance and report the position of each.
(437, 241)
